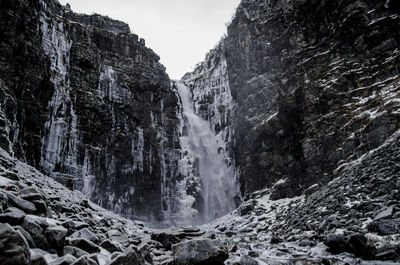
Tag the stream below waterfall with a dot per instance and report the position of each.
(218, 185)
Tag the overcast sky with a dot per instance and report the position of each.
(180, 31)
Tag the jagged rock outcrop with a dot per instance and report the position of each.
(83, 99)
(315, 85)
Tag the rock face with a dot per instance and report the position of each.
(198, 251)
(83, 99)
(315, 84)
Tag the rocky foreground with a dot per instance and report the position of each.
(353, 220)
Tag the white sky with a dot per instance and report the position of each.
(180, 31)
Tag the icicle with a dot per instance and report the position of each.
(59, 145)
(88, 178)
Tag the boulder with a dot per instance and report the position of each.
(389, 227)
(100, 258)
(27, 236)
(356, 244)
(14, 249)
(56, 235)
(143, 253)
(84, 244)
(75, 225)
(199, 251)
(29, 190)
(4, 182)
(87, 234)
(36, 252)
(275, 239)
(103, 222)
(22, 204)
(306, 243)
(10, 175)
(40, 205)
(37, 257)
(384, 214)
(12, 216)
(166, 239)
(389, 252)
(189, 232)
(127, 257)
(336, 243)
(246, 207)
(35, 230)
(74, 251)
(111, 246)
(247, 260)
(69, 259)
(32, 197)
(117, 235)
(38, 260)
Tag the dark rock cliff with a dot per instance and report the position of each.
(83, 99)
(315, 85)
(296, 90)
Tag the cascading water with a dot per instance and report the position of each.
(218, 185)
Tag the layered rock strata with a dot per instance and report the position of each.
(84, 100)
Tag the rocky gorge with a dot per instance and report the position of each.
(281, 147)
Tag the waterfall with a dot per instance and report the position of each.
(218, 187)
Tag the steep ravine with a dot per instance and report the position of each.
(293, 119)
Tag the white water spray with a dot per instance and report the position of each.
(218, 185)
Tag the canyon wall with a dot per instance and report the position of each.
(294, 92)
(86, 101)
(315, 85)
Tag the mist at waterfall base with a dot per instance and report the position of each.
(218, 186)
